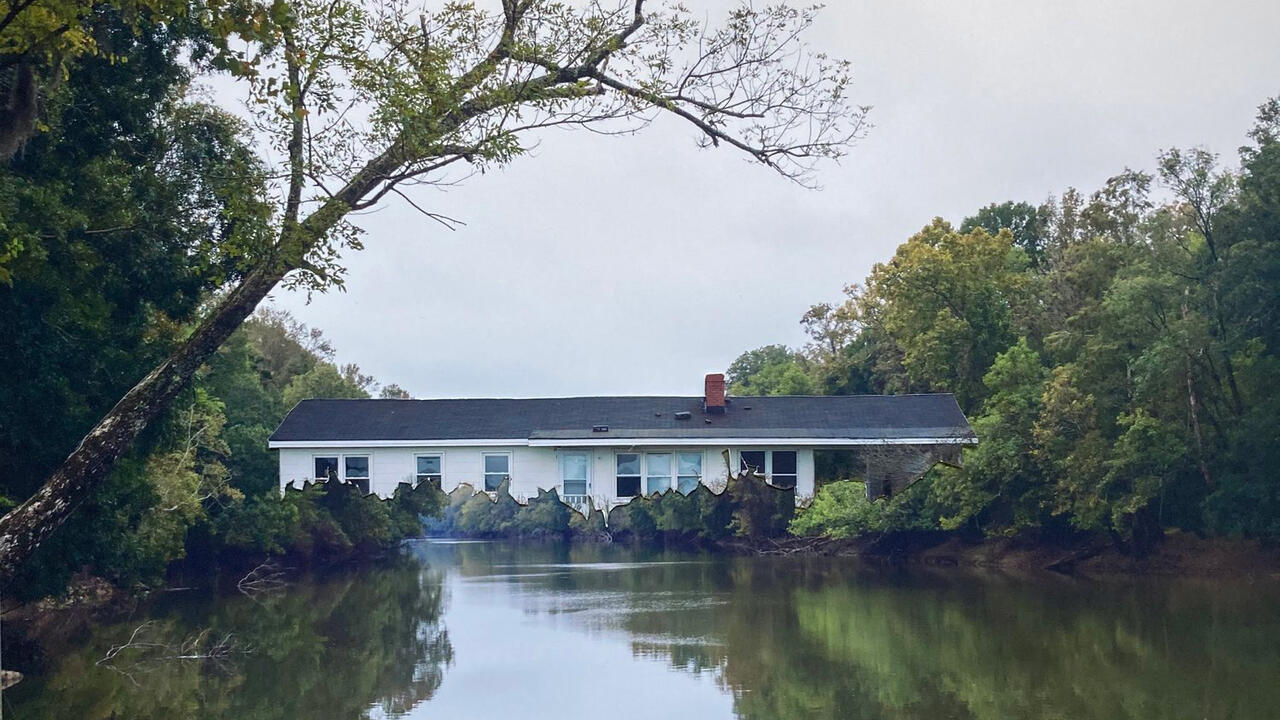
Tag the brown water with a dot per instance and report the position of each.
(480, 630)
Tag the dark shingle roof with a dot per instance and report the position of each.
(870, 417)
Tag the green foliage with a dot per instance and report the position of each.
(769, 370)
(1001, 488)
(1118, 357)
(841, 510)
(323, 381)
(114, 205)
(483, 515)
(1028, 224)
(543, 516)
(759, 509)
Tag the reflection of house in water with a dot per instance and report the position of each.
(611, 449)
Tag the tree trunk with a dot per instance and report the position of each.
(26, 526)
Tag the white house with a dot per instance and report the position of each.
(612, 449)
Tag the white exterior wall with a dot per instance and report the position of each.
(532, 468)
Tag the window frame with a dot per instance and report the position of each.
(763, 469)
(337, 466)
(560, 461)
(418, 476)
(668, 476)
(697, 478)
(767, 470)
(639, 477)
(368, 466)
(484, 469)
(794, 475)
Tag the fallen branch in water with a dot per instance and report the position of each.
(146, 654)
(265, 579)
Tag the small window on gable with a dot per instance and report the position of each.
(497, 470)
(428, 470)
(326, 467)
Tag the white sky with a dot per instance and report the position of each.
(635, 265)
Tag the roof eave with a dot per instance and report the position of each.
(623, 442)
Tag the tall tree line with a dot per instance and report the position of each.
(361, 101)
(1118, 353)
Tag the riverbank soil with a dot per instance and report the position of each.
(1178, 554)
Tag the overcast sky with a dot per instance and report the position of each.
(635, 265)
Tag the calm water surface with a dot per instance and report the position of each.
(490, 630)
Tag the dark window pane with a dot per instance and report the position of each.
(429, 465)
(629, 486)
(493, 481)
(786, 482)
(362, 484)
(497, 463)
(753, 460)
(628, 464)
(325, 466)
(784, 462)
(357, 467)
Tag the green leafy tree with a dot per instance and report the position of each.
(946, 304)
(114, 204)
(1028, 224)
(1002, 489)
(441, 91)
(322, 381)
(841, 510)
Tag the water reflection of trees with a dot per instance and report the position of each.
(352, 644)
(970, 648)
(819, 639)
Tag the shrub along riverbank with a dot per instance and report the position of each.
(746, 509)
(752, 518)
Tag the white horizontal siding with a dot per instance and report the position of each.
(532, 468)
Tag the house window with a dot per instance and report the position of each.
(754, 461)
(777, 466)
(357, 471)
(326, 467)
(782, 472)
(628, 474)
(573, 474)
(689, 467)
(657, 477)
(497, 470)
(428, 470)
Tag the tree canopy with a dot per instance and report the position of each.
(1116, 352)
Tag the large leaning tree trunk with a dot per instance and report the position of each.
(366, 100)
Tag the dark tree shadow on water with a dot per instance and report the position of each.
(349, 644)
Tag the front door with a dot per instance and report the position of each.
(575, 478)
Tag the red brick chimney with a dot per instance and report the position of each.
(713, 397)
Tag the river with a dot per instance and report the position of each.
(494, 630)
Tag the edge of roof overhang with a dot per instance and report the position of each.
(623, 442)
